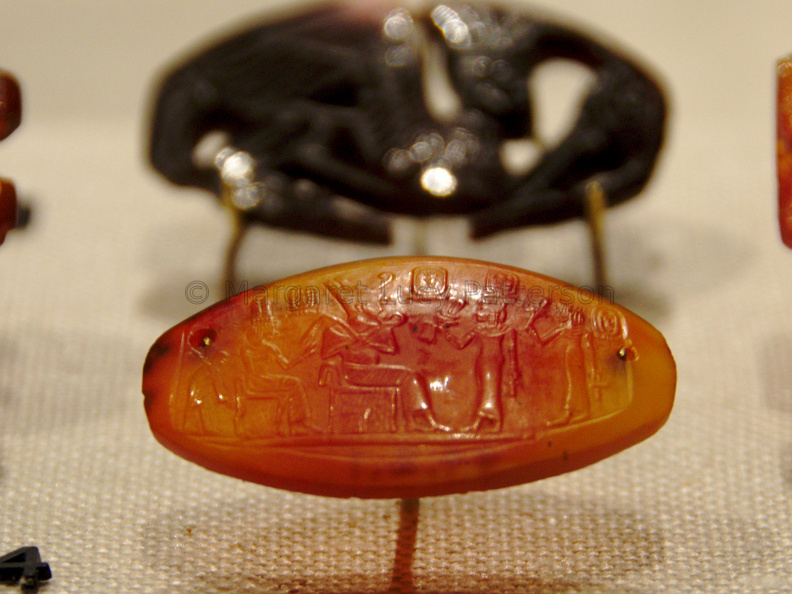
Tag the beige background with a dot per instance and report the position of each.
(705, 505)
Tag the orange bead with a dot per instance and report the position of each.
(407, 377)
(784, 148)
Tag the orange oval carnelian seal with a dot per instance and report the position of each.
(407, 377)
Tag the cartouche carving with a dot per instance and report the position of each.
(430, 282)
(446, 355)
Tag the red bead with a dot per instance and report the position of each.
(407, 377)
(10, 105)
(8, 208)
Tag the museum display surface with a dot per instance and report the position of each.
(115, 256)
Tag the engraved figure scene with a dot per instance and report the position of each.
(415, 355)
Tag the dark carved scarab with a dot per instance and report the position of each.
(329, 106)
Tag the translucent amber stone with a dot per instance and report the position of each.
(407, 377)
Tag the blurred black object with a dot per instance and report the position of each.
(328, 106)
(25, 565)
